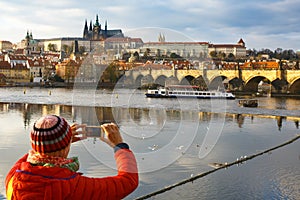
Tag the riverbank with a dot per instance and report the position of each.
(107, 85)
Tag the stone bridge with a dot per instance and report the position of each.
(280, 81)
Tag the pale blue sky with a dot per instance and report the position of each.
(261, 23)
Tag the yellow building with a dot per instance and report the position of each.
(15, 72)
(67, 69)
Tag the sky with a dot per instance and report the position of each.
(262, 24)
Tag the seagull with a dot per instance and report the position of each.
(154, 147)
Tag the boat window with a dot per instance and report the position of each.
(156, 92)
(212, 93)
(170, 92)
(163, 92)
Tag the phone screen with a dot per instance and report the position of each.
(93, 131)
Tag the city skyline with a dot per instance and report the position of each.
(262, 24)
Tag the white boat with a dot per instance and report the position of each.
(181, 91)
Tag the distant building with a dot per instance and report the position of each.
(92, 37)
(15, 68)
(118, 46)
(183, 49)
(5, 45)
(68, 69)
(95, 32)
(238, 50)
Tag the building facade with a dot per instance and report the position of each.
(5, 45)
(238, 50)
(183, 49)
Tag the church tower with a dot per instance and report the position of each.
(85, 31)
(161, 38)
(96, 29)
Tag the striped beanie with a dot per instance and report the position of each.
(50, 134)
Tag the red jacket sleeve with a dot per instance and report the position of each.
(14, 168)
(114, 187)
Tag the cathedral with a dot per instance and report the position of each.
(96, 32)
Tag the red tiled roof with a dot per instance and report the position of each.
(125, 39)
(20, 67)
(19, 51)
(164, 43)
(241, 41)
(36, 62)
(18, 57)
(4, 65)
(226, 46)
(154, 66)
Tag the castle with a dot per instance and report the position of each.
(95, 32)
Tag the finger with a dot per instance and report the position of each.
(80, 126)
(73, 126)
(105, 128)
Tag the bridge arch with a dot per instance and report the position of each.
(217, 83)
(146, 80)
(187, 80)
(172, 81)
(295, 86)
(161, 80)
(252, 84)
(138, 80)
(235, 84)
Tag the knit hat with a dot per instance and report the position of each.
(50, 134)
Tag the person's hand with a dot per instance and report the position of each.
(78, 132)
(112, 133)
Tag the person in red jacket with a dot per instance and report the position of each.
(46, 172)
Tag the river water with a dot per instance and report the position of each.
(173, 140)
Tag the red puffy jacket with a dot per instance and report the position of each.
(25, 181)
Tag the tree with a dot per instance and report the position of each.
(213, 54)
(147, 52)
(230, 56)
(136, 55)
(126, 56)
(174, 55)
(51, 47)
(222, 55)
(81, 49)
(158, 53)
(67, 49)
(111, 73)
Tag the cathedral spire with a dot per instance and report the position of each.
(97, 21)
(27, 35)
(91, 26)
(85, 30)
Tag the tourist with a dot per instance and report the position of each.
(46, 172)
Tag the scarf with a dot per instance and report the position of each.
(53, 161)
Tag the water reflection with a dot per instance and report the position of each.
(140, 116)
(243, 134)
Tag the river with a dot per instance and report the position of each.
(173, 140)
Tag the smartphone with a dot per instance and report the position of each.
(93, 131)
